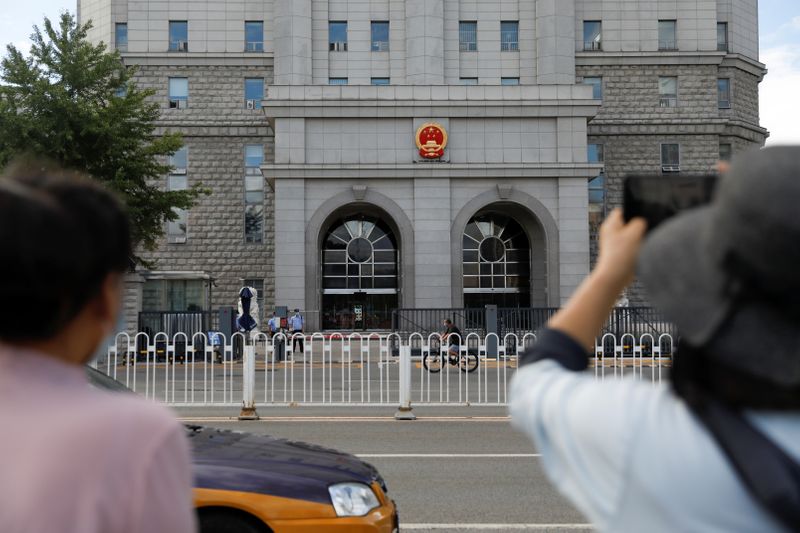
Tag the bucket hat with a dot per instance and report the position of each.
(728, 273)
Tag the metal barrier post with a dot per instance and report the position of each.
(248, 384)
(405, 412)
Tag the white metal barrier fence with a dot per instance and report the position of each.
(349, 369)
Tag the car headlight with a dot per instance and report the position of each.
(352, 499)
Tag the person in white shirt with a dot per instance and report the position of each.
(718, 449)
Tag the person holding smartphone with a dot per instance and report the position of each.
(718, 448)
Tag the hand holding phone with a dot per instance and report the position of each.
(657, 198)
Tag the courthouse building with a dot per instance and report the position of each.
(368, 155)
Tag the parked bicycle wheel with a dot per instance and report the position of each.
(433, 362)
(468, 363)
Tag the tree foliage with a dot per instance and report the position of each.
(75, 103)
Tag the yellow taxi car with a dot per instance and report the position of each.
(247, 483)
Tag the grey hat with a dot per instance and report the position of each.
(728, 274)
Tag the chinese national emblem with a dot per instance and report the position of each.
(431, 140)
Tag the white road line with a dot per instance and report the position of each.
(445, 455)
(502, 527)
(347, 419)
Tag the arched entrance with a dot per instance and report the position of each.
(360, 277)
(496, 261)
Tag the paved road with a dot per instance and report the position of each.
(453, 469)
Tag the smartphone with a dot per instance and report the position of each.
(657, 198)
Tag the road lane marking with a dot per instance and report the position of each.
(444, 455)
(503, 527)
(347, 419)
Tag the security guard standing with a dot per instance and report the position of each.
(296, 327)
(274, 327)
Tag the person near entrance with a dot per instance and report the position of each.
(274, 324)
(452, 336)
(279, 344)
(296, 326)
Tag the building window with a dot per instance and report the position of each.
(595, 153)
(509, 81)
(509, 36)
(597, 86)
(468, 36)
(722, 36)
(380, 36)
(379, 81)
(592, 35)
(668, 91)
(254, 36)
(667, 35)
(725, 151)
(724, 93)
(178, 93)
(121, 36)
(177, 181)
(670, 158)
(337, 81)
(253, 194)
(253, 92)
(337, 36)
(468, 81)
(178, 36)
(174, 295)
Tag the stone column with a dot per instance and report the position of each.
(432, 221)
(425, 42)
(555, 42)
(573, 234)
(132, 301)
(293, 42)
(290, 261)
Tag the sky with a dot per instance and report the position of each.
(779, 22)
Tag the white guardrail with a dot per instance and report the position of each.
(331, 370)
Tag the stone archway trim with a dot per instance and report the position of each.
(524, 200)
(366, 198)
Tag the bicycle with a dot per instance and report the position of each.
(433, 362)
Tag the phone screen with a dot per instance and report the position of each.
(657, 198)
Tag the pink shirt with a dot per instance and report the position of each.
(76, 459)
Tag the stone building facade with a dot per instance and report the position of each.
(538, 98)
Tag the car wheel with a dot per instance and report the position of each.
(229, 521)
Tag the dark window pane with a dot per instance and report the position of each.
(470, 269)
(470, 282)
(254, 223)
(386, 283)
(335, 283)
(334, 256)
(384, 257)
(382, 269)
(334, 270)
